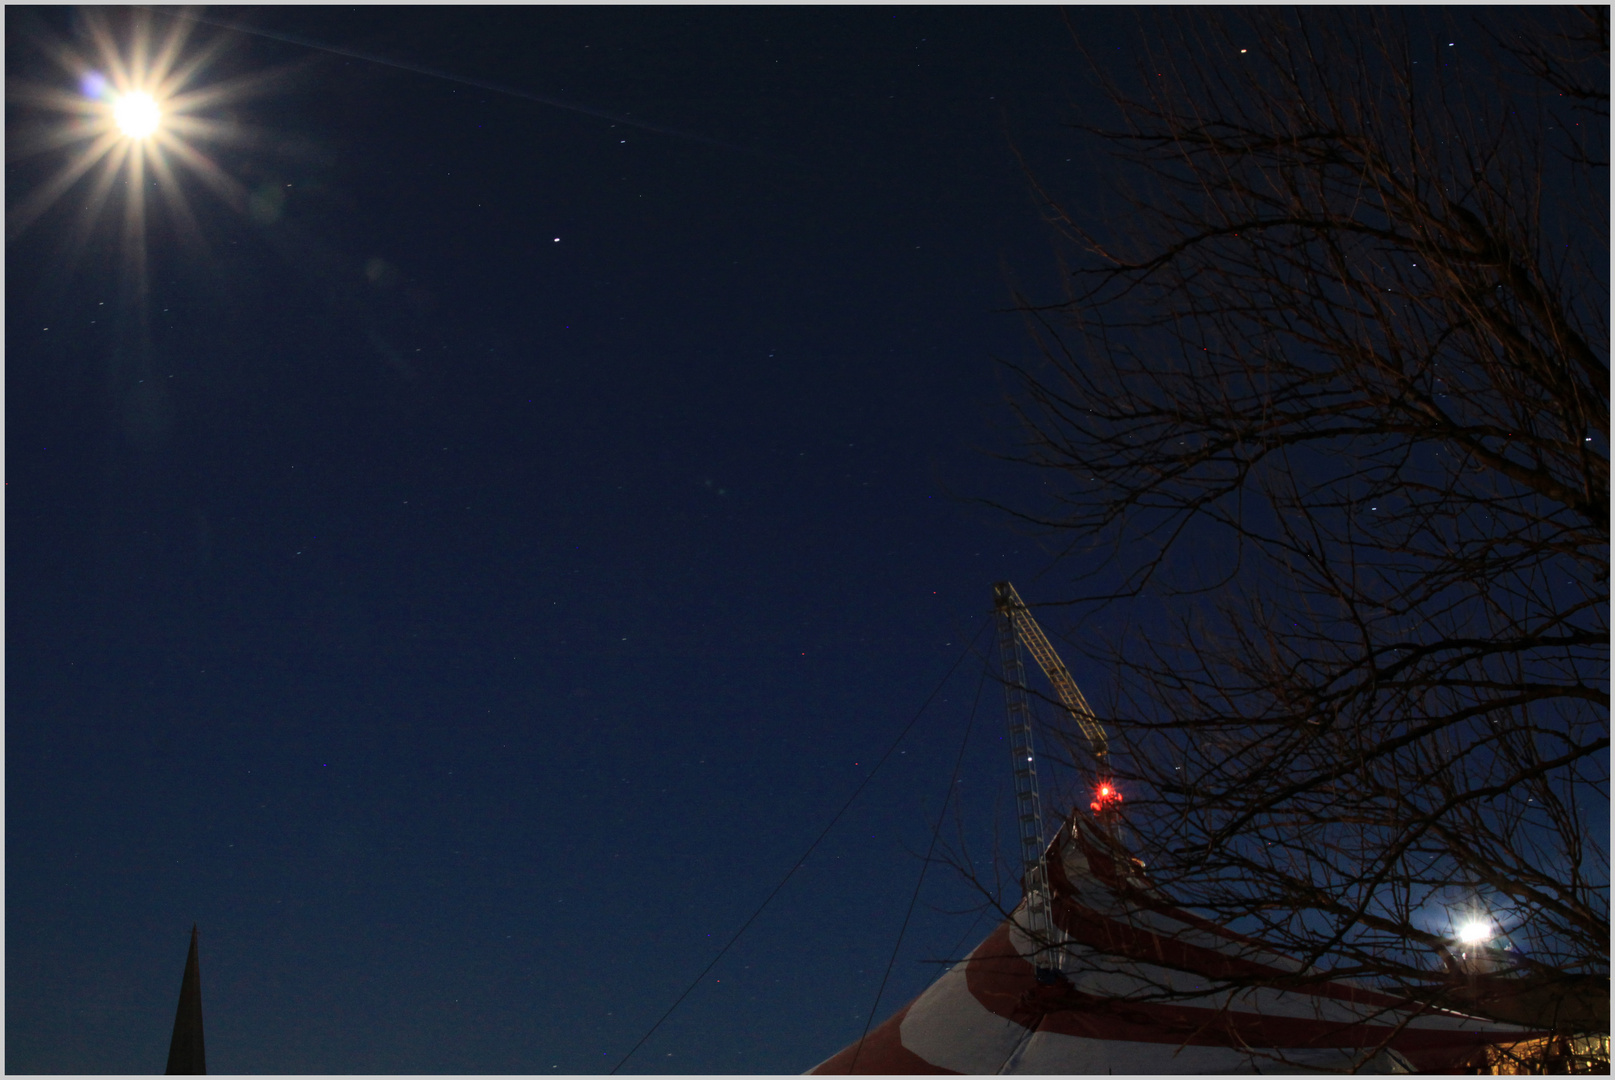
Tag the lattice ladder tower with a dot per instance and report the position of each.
(1016, 627)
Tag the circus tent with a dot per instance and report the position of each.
(1146, 988)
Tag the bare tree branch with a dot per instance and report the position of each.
(1328, 410)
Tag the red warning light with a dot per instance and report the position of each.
(1107, 798)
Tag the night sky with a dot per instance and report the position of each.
(503, 535)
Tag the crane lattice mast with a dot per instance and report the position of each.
(1016, 628)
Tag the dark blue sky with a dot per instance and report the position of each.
(517, 534)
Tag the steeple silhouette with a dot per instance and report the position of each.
(186, 1055)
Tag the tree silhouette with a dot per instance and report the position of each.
(1325, 418)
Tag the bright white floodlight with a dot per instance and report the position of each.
(137, 115)
(1475, 932)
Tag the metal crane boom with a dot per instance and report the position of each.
(1037, 643)
(1016, 627)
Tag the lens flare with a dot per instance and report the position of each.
(132, 113)
(1475, 932)
(94, 85)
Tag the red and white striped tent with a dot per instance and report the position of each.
(1149, 992)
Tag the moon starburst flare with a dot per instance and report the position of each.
(137, 115)
(131, 113)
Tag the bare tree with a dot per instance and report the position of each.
(1325, 416)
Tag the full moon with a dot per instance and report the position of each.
(1474, 933)
(137, 115)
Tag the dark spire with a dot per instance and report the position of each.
(186, 1056)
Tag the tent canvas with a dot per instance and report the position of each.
(1152, 989)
